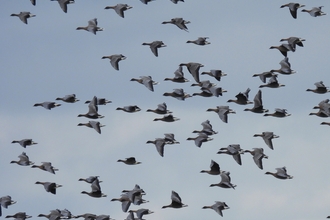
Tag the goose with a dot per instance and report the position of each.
(293, 41)
(49, 186)
(136, 188)
(283, 48)
(179, 22)
(66, 214)
(129, 161)
(217, 74)
(281, 173)
(87, 216)
(103, 217)
(234, 150)
(19, 216)
(23, 160)
(141, 212)
(264, 75)
(161, 109)
(169, 139)
(207, 128)
(258, 155)
(223, 112)
(279, 113)
(146, 81)
(324, 105)
(315, 11)
(178, 76)
(285, 67)
(176, 201)
(267, 136)
(211, 91)
(178, 94)
(202, 137)
(204, 84)
(200, 41)
(92, 110)
(93, 124)
(193, 69)
(64, 4)
(146, 1)
(114, 60)
(125, 202)
(325, 123)
(154, 46)
(321, 113)
(320, 88)
(90, 179)
(46, 166)
(25, 142)
(100, 101)
(135, 196)
(159, 143)
(218, 207)
(214, 169)
(258, 107)
(68, 98)
(225, 181)
(23, 16)
(293, 7)
(242, 98)
(167, 118)
(47, 105)
(272, 83)
(96, 190)
(5, 201)
(119, 8)
(53, 215)
(129, 108)
(91, 27)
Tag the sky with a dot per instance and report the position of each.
(49, 58)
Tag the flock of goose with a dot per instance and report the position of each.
(187, 75)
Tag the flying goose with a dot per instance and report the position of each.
(315, 11)
(320, 88)
(176, 201)
(264, 75)
(93, 124)
(217, 74)
(159, 143)
(161, 109)
(272, 83)
(49, 186)
(223, 112)
(46, 166)
(178, 94)
(47, 105)
(285, 67)
(96, 190)
(68, 98)
(281, 173)
(23, 160)
(258, 155)
(267, 136)
(200, 41)
(214, 169)
(218, 207)
(279, 113)
(242, 98)
(167, 118)
(193, 69)
(225, 181)
(19, 216)
(202, 137)
(154, 46)
(5, 201)
(146, 81)
(258, 107)
(91, 27)
(129, 108)
(114, 60)
(179, 22)
(25, 142)
(129, 161)
(234, 150)
(293, 7)
(119, 8)
(64, 4)
(207, 128)
(23, 16)
(178, 76)
(92, 110)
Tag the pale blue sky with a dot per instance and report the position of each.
(49, 58)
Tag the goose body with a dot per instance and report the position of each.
(218, 207)
(178, 76)
(114, 60)
(281, 173)
(119, 8)
(129, 161)
(214, 169)
(223, 112)
(46, 166)
(25, 142)
(154, 46)
(23, 16)
(47, 105)
(200, 41)
(225, 181)
(68, 98)
(91, 27)
(49, 186)
(179, 22)
(176, 201)
(96, 125)
(233, 150)
(193, 69)
(146, 81)
(293, 7)
(258, 155)
(267, 136)
(161, 109)
(23, 160)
